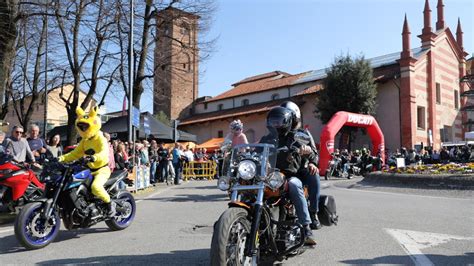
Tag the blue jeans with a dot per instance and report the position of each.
(177, 171)
(153, 172)
(314, 186)
(295, 187)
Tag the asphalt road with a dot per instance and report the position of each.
(378, 225)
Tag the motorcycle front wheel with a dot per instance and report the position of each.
(231, 232)
(32, 230)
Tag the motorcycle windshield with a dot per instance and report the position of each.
(263, 155)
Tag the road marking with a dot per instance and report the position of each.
(413, 242)
(6, 231)
(398, 194)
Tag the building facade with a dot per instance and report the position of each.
(418, 93)
(56, 113)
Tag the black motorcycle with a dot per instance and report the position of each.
(260, 224)
(335, 169)
(68, 196)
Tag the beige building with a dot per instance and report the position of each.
(56, 113)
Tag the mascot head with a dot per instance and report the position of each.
(88, 124)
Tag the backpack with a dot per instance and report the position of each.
(327, 210)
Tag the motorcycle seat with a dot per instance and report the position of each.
(116, 176)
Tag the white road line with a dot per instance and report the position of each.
(397, 194)
(413, 242)
(6, 230)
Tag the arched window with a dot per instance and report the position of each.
(245, 102)
(275, 96)
(250, 134)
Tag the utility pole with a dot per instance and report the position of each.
(131, 130)
(45, 126)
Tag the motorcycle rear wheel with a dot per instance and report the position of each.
(123, 220)
(32, 231)
(229, 238)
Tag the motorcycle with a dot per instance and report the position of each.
(260, 223)
(18, 183)
(68, 196)
(335, 170)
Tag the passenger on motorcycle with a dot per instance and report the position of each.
(308, 172)
(279, 122)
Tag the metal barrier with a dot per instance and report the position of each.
(207, 169)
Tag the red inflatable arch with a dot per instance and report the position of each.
(341, 119)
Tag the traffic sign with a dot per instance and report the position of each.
(135, 117)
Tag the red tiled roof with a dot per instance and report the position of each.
(245, 110)
(257, 86)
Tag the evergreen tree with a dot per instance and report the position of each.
(349, 86)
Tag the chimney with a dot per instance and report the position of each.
(440, 23)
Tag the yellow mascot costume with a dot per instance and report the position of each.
(95, 145)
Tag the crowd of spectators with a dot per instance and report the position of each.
(457, 154)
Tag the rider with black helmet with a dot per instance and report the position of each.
(279, 123)
(308, 172)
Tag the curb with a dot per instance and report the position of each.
(441, 180)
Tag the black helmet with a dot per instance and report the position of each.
(296, 113)
(280, 119)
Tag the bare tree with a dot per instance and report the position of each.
(26, 83)
(85, 52)
(8, 33)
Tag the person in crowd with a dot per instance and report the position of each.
(189, 154)
(163, 154)
(236, 135)
(54, 146)
(444, 155)
(37, 145)
(18, 146)
(435, 157)
(119, 157)
(153, 156)
(177, 163)
(111, 152)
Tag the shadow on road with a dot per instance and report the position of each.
(214, 187)
(9, 244)
(180, 257)
(193, 198)
(465, 259)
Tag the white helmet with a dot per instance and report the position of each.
(296, 113)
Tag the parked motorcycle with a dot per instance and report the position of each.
(18, 183)
(68, 196)
(260, 223)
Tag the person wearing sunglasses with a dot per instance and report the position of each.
(18, 146)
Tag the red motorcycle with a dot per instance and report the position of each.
(18, 183)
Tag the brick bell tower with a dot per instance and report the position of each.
(176, 63)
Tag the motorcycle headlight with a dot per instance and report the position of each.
(247, 169)
(275, 180)
(223, 183)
